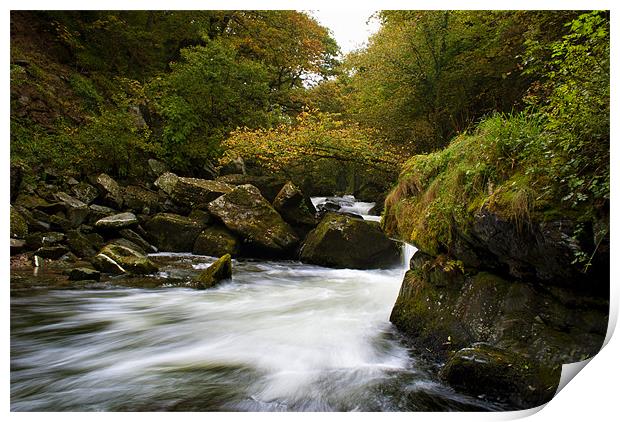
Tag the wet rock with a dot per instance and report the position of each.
(216, 272)
(173, 233)
(117, 221)
(19, 226)
(269, 186)
(343, 242)
(51, 252)
(75, 210)
(127, 258)
(216, 241)
(82, 273)
(85, 192)
(295, 208)
(84, 245)
(135, 238)
(191, 192)
(105, 264)
(111, 191)
(501, 375)
(246, 213)
(140, 200)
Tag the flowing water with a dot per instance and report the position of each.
(281, 336)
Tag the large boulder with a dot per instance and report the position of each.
(269, 186)
(117, 221)
(216, 272)
(501, 375)
(173, 233)
(216, 241)
(140, 200)
(85, 192)
(128, 259)
(263, 231)
(84, 245)
(191, 192)
(295, 208)
(138, 240)
(97, 212)
(341, 241)
(75, 210)
(111, 191)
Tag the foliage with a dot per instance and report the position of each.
(313, 136)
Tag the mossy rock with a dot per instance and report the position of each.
(216, 241)
(128, 259)
(340, 241)
(84, 245)
(247, 213)
(117, 221)
(191, 192)
(503, 375)
(111, 191)
(172, 232)
(296, 209)
(216, 272)
(19, 225)
(140, 200)
(269, 186)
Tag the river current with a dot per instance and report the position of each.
(281, 336)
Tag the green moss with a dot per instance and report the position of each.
(502, 167)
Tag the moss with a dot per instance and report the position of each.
(500, 167)
(218, 271)
(19, 227)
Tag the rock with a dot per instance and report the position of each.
(216, 272)
(36, 240)
(84, 245)
(106, 264)
(135, 238)
(166, 182)
(85, 192)
(111, 192)
(202, 216)
(61, 224)
(173, 233)
(438, 301)
(17, 246)
(117, 221)
(19, 226)
(343, 242)
(75, 210)
(140, 200)
(191, 192)
(236, 166)
(30, 200)
(245, 212)
(501, 375)
(72, 181)
(157, 167)
(269, 186)
(82, 273)
(51, 252)
(121, 241)
(97, 212)
(216, 241)
(127, 258)
(295, 208)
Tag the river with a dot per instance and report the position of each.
(281, 336)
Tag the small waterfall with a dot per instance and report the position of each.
(408, 251)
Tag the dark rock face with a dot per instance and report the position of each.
(269, 186)
(442, 309)
(84, 245)
(16, 180)
(17, 246)
(138, 240)
(19, 226)
(216, 241)
(295, 208)
(190, 192)
(501, 375)
(216, 272)
(173, 233)
(81, 273)
(140, 200)
(343, 242)
(97, 212)
(111, 191)
(246, 213)
(85, 192)
(51, 252)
